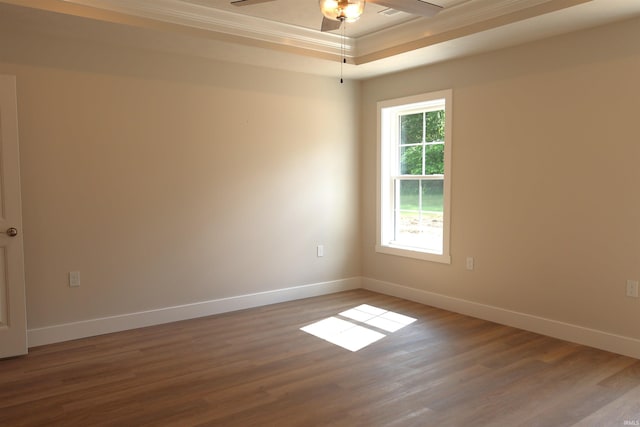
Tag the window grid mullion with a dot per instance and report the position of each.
(435, 177)
(396, 209)
(420, 205)
(424, 148)
(420, 143)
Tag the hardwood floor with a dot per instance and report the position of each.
(256, 368)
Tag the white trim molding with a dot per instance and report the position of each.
(565, 331)
(190, 15)
(424, 31)
(467, 18)
(123, 322)
(573, 333)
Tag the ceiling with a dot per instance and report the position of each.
(284, 34)
(306, 13)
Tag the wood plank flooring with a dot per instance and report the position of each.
(256, 368)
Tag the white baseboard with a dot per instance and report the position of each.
(590, 337)
(105, 325)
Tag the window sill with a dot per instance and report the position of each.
(413, 253)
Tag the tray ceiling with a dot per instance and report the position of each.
(284, 33)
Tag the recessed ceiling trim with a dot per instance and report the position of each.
(221, 21)
(178, 26)
(372, 48)
(452, 21)
(455, 21)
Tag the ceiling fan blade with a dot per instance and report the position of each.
(329, 24)
(415, 7)
(248, 2)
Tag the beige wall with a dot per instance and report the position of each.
(545, 177)
(166, 180)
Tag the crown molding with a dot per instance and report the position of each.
(233, 24)
(457, 21)
(452, 23)
(189, 28)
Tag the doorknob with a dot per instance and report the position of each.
(12, 232)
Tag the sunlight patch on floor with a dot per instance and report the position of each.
(355, 336)
(379, 318)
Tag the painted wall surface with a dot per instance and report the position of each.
(546, 155)
(167, 180)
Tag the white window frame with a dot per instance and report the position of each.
(388, 135)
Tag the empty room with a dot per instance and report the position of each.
(319, 213)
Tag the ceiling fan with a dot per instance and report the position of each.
(335, 12)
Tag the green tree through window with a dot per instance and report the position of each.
(412, 129)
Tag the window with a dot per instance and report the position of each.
(414, 176)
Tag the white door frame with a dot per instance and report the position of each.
(13, 321)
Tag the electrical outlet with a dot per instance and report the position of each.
(632, 288)
(74, 279)
(469, 263)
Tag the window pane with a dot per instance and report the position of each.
(409, 195)
(411, 160)
(411, 127)
(432, 195)
(432, 214)
(434, 159)
(434, 126)
(419, 214)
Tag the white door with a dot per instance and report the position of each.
(13, 321)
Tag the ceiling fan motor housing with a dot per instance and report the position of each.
(342, 10)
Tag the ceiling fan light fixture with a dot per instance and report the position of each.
(342, 10)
